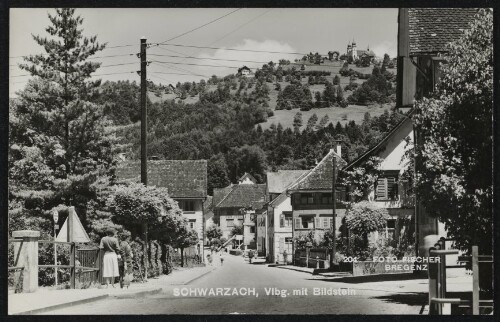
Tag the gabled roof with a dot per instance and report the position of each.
(282, 197)
(380, 145)
(242, 68)
(431, 29)
(320, 177)
(240, 196)
(277, 182)
(247, 176)
(182, 178)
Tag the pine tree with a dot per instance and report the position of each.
(55, 127)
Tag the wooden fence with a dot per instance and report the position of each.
(439, 303)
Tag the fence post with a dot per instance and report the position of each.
(433, 284)
(475, 280)
(26, 255)
(442, 260)
(72, 264)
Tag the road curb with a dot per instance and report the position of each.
(199, 276)
(137, 294)
(293, 269)
(62, 305)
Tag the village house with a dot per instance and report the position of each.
(186, 181)
(311, 198)
(208, 216)
(236, 205)
(390, 191)
(244, 71)
(279, 214)
(423, 36)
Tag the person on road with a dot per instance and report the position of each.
(221, 259)
(125, 263)
(109, 244)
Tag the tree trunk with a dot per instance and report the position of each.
(182, 257)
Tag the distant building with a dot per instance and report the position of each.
(186, 181)
(333, 55)
(244, 71)
(247, 178)
(355, 54)
(237, 204)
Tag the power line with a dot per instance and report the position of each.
(232, 49)
(199, 27)
(163, 73)
(25, 75)
(218, 59)
(179, 69)
(190, 64)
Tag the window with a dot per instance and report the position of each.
(326, 198)
(387, 187)
(304, 222)
(325, 222)
(391, 228)
(252, 229)
(285, 220)
(306, 198)
(230, 222)
(187, 205)
(192, 223)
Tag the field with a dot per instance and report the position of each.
(354, 113)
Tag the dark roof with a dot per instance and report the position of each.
(320, 177)
(242, 68)
(241, 196)
(182, 178)
(366, 52)
(431, 29)
(380, 145)
(277, 182)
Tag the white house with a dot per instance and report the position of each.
(279, 214)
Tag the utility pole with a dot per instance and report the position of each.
(144, 152)
(334, 210)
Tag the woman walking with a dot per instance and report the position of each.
(109, 244)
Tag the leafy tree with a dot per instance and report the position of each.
(364, 217)
(297, 120)
(214, 232)
(248, 158)
(237, 230)
(312, 121)
(185, 238)
(454, 125)
(323, 122)
(56, 130)
(217, 172)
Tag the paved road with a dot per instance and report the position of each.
(238, 276)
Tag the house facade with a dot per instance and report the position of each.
(279, 214)
(244, 71)
(311, 199)
(423, 36)
(186, 181)
(237, 205)
(390, 191)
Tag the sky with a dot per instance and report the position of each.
(290, 31)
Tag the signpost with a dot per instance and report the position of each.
(55, 216)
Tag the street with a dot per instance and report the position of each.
(239, 287)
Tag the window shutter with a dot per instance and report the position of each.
(297, 223)
(330, 222)
(381, 189)
(317, 222)
(282, 220)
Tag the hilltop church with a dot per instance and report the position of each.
(356, 54)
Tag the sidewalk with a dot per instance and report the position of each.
(457, 280)
(46, 299)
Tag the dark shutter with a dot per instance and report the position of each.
(381, 189)
(392, 188)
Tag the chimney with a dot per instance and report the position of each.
(339, 150)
